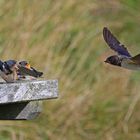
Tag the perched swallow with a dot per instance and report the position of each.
(8, 70)
(123, 57)
(26, 70)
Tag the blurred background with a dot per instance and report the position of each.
(64, 39)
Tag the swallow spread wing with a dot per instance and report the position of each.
(114, 44)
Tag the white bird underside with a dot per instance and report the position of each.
(128, 64)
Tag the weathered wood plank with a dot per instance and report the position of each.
(28, 91)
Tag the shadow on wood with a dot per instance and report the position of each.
(20, 111)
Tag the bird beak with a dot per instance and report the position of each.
(28, 66)
(106, 61)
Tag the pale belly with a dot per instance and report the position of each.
(130, 66)
(7, 78)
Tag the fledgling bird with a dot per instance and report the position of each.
(8, 70)
(123, 57)
(25, 70)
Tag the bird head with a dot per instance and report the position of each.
(25, 64)
(114, 60)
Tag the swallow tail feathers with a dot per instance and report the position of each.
(136, 59)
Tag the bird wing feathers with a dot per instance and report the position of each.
(114, 44)
(25, 71)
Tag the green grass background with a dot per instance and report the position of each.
(64, 39)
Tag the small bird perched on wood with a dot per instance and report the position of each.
(11, 70)
(8, 70)
(25, 70)
(123, 57)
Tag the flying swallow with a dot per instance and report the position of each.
(24, 70)
(123, 57)
(8, 70)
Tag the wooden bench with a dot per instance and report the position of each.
(22, 100)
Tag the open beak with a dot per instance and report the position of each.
(28, 66)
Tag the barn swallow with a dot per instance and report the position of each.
(123, 57)
(26, 70)
(8, 70)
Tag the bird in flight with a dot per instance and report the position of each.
(123, 58)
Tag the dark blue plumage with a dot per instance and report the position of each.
(10, 63)
(114, 43)
(1, 65)
(8, 70)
